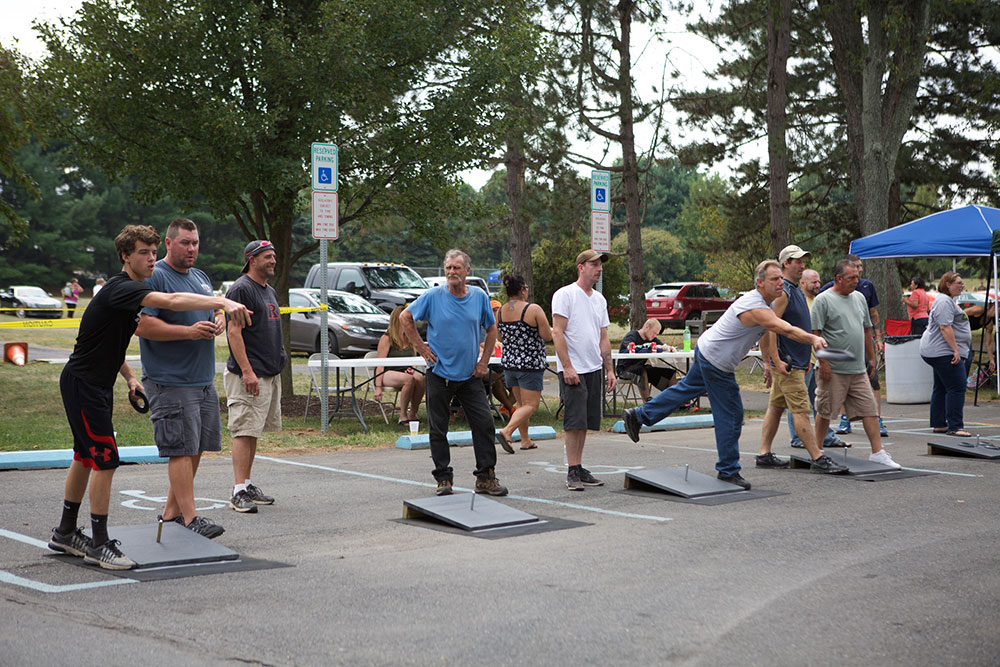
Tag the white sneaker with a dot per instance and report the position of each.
(883, 457)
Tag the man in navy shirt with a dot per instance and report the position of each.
(790, 360)
(455, 315)
(178, 368)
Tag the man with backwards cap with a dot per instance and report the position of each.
(719, 351)
(790, 360)
(580, 336)
(252, 376)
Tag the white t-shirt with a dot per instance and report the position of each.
(586, 316)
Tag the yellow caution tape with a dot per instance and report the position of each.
(50, 309)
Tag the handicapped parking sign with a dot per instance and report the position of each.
(325, 175)
(600, 194)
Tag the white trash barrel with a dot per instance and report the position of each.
(907, 378)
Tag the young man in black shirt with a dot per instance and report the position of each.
(87, 383)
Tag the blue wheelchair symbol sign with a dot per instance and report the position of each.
(600, 194)
(325, 175)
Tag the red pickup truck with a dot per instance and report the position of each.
(675, 303)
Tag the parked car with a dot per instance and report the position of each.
(354, 324)
(434, 281)
(27, 297)
(387, 285)
(675, 303)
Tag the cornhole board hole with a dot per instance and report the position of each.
(177, 546)
(467, 511)
(983, 449)
(855, 465)
(679, 481)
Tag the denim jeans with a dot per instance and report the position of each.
(727, 407)
(472, 397)
(831, 435)
(948, 394)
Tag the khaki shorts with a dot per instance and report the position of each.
(249, 416)
(854, 392)
(789, 392)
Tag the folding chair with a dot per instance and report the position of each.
(628, 388)
(369, 388)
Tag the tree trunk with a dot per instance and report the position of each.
(630, 172)
(520, 239)
(878, 103)
(778, 37)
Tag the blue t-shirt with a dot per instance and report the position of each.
(795, 354)
(865, 287)
(453, 326)
(179, 363)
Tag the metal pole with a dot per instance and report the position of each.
(324, 347)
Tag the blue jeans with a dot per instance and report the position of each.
(727, 407)
(831, 436)
(948, 394)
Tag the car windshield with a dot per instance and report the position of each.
(350, 303)
(383, 277)
(29, 291)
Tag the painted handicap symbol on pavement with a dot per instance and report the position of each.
(157, 502)
(594, 468)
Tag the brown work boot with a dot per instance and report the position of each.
(490, 485)
(444, 488)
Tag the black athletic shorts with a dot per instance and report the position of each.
(88, 409)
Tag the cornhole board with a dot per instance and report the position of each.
(177, 546)
(679, 481)
(464, 438)
(855, 465)
(468, 511)
(983, 449)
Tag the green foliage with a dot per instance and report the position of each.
(13, 134)
(665, 257)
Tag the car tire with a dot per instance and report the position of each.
(21, 314)
(331, 339)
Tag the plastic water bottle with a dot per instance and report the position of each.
(687, 339)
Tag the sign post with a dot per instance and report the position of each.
(325, 221)
(600, 213)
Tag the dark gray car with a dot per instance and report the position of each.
(355, 324)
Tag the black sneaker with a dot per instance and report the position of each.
(589, 480)
(444, 488)
(632, 425)
(824, 464)
(74, 544)
(205, 528)
(242, 502)
(769, 460)
(573, 480)
(257, 496)
(736, 479)
(490, 485)
(108, 556)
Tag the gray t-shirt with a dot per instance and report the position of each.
(179, 363)
(842, 321)
(945, 312)
(726, 343)
(262, 339)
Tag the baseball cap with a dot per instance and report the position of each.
(791, 252)
(253, 249)
(494, 304)
(590, 255)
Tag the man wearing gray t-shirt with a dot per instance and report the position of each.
(840, 315)
(718, 352)
(178, 367)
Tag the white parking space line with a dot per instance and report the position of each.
(10, 578)
(544, 501)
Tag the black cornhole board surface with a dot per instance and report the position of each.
(177, 546)
(855, 465)
(984, 449)
(465, 512)
(671, 480)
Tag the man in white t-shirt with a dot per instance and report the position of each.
(580, 336)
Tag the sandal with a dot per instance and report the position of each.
(960, 433)
(531, 446)
(504, 442)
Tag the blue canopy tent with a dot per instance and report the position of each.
(970, 231)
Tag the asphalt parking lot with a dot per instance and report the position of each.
(822, 571)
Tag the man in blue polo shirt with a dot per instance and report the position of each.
(455, 315)
(790, 361)
(178, 367)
